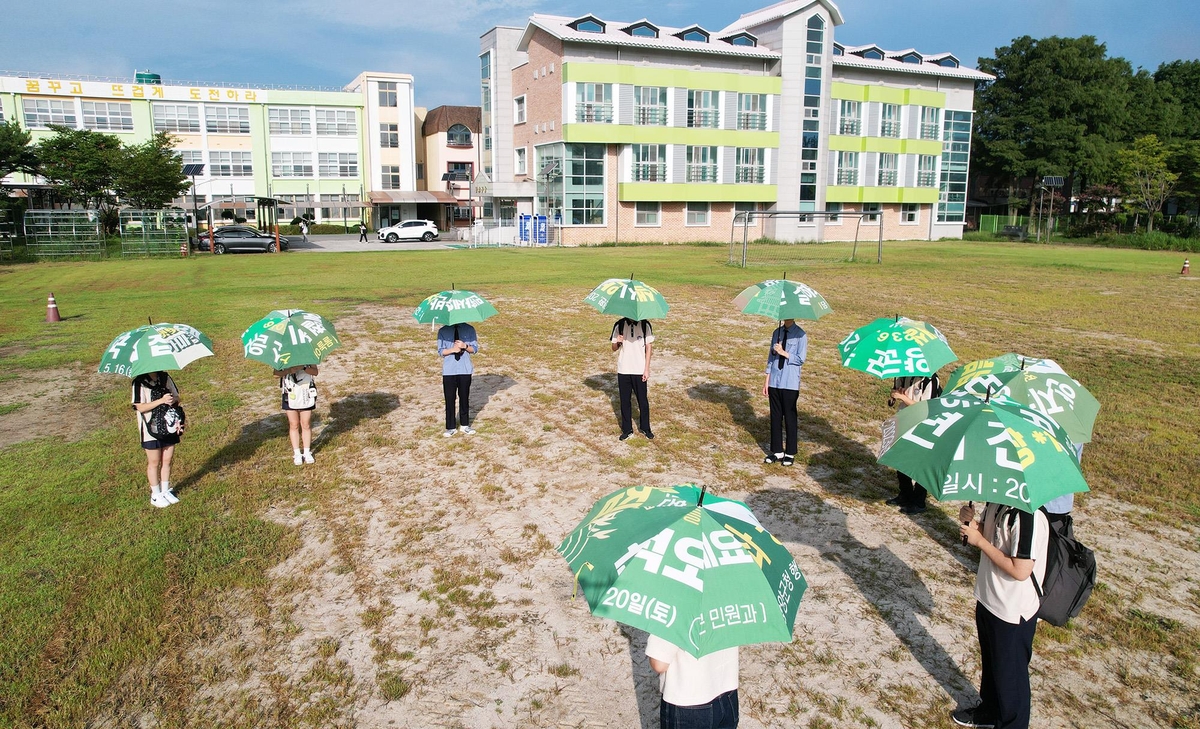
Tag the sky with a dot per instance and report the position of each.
(328, 42)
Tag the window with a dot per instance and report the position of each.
(337, 122)
(337, 164)
(926, 170)
(889, 121)
(956, 154)
(697, 213)
(462, 212)
(873, 54)
(176, 117)
(752, 112)
(694, 34)
(420, 170)
(701, 164)
(391, 177)
(520, 160)
(583, 184)
(588, 25)
(458, 136)
(461, 171)
(847, 168)
(108, 116)
(704, 109)
(910, 58)
(648, 214)
(835, 218)
(41, 113)
(873, 209)
(649, 163)
(850, 119)
(949, 62)
(230, 164)
(643, 30)
(287, 121)
(593, 103)
(340, 212)
(888, 169)
(743, 39)
(749, 208)
(750, 166)
(650, 105)
(387, 93)
(291, 164)
(931, 126)
(227, 119)
(910, 214)
(519, 110)
(389, 136)
(485, 66)
(191, 157)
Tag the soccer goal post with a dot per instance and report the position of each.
(773, 237)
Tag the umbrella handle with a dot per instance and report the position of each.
(964, 539)
(703, 491)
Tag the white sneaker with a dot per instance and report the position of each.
(308, 457)
(467, 430)
(158, 501)
(170, 496)
(448, 433)
(297, 459)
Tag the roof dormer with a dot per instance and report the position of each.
(642, 29)
(873, 53)
(909, 57)
(587, 24)
(694, 33)
(744, 39)
(839, 49)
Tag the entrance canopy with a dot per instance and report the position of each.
(390, 197)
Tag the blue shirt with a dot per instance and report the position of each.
(452, 365)
(796, 345)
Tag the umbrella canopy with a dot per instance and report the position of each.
(453, 307)
(155, 348)
(289, 338)
(1038, 384)
(625, 297)
(782, 299)
(899, 347)
(995, 450)
(696, 570)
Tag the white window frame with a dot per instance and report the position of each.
(224, 119)
(388, 96)
(103, 114)
(344, 165)
(389, 131)
(285, 121)
(291, 162)
(874, 215)
(888, 176)
(843, 165)
(239, 163)
(891, 123)
(638, 213)
(687, 215)
(336, 122)
(168, 118)
(521, 160)
(519, 110)
(916, 213)
(49, 111)
(389, 173)
(835, 219)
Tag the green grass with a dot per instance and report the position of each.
(91, 574)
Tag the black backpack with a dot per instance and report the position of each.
(1070, 576)
(164, 420)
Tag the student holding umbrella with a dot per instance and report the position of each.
(299, 391)
(456, 343)
(789, 347)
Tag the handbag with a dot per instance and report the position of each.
(301, 391)
(164, 421)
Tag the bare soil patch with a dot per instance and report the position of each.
(48, 403)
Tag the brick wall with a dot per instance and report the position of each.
(893, 229)
(543, 97)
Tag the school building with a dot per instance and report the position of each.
(634, 131)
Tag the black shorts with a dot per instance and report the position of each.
(300, 410)
(155, 444)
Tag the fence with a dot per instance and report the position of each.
(153, 232)
(6, 235)
(766, 250)
(996, 223)
(501, 233)
(54, 233)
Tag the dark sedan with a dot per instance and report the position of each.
(240, 238)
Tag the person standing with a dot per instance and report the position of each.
(633, 341)
(362, 231)
(456, 344)
(789, 348)
(697, 693)
(299, 400)
(150, 391)
(907, 391)
(1012, 546)
(304, 229)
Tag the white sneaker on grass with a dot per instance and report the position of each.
(170, 496)
(308, 457)
(158, 501)
(297, 458)
(466, 430)
(448, 433)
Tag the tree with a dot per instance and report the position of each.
(81, 164)
(1184, 160)
(16, 152)
(150, 175)
(1145, 176)
(1183, 81)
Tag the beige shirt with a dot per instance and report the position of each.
(631, 357)
(141, 394)
(690, 681)
(1011, 600)
(913, 387)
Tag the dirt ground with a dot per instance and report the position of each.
(429, 594)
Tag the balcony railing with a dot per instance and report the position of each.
(752, 120)
(594, 113)
(650, 172)
(750, 174)
(889, 128)
(887, 178)
(849, 126)
(705, 118)
(929, 130)
(702, 173)
(926, 179)
(650, 115)
(847, 177)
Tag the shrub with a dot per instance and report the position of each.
(1156, 241)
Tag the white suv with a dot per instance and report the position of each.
(423, 229)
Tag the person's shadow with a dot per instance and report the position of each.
(741, 409)
(645, 680)
(348, 412)
(607, 384)
(890, 587)
(484, 387)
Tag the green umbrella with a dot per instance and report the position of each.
(990, 450)
(627, 298)
(453, 307)
(289, 338)
(155, 348)
(1038, 384)
(699, 572)
(899, 347)
(782, 299)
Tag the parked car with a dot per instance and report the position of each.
(423, 229)
(233, 238)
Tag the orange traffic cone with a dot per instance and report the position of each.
(52, 309)
(1187, 268)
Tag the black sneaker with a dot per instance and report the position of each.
(966, 717)
(771, 458)
(894, 501)
(913, 509)
(625, 436)
(788, 460)
(648, 434)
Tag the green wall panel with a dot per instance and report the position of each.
(635, 134)
(838, 143)
(847, 194)
(887, 94)
(676, 192)
(646, 76)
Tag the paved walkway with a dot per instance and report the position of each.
(344, 243)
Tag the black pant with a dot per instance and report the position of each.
(362, 237)
(910, 493)
(628, 385)
(457, 385)
(1005, 650)
(783, 417)
(720, 713)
